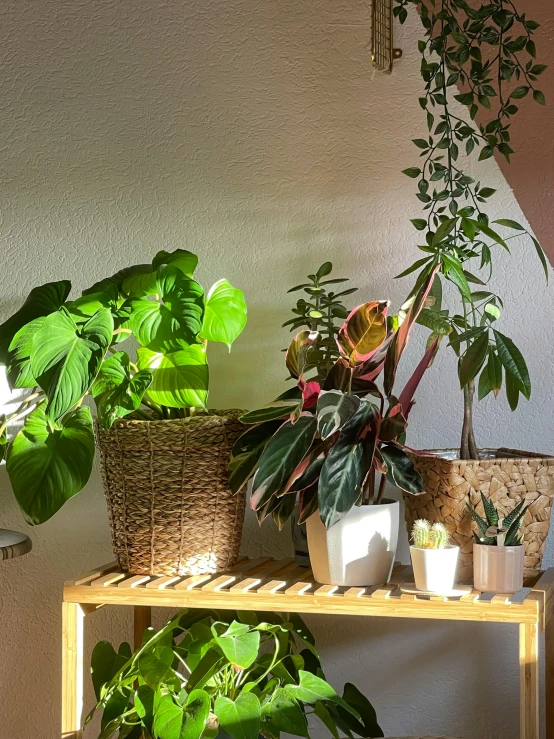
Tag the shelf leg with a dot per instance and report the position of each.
(529, 681)
(72, 670)
(142, 620)
(549, 676)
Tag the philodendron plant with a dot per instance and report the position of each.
(63, 350)
(481, 55)
(323, 441)
(208, 674)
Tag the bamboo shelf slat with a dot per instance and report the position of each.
(266, 584)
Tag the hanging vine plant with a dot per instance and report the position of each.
(483, 57)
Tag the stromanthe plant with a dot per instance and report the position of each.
(482, 55)
(61, 350)
(208, 674)
(322, 442)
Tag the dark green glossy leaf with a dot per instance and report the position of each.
(106, 663)
(473, 359)
(247, 451)
(334, 409)
(155, 665)
(401, 471)
(283, 714)
(513, 363)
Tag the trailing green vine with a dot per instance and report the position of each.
(484, 58)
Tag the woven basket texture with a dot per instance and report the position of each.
(166, 483)
(451, 484)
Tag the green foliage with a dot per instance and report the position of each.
(496, 532)
(484, 58)
(64, 350)
(207, 674)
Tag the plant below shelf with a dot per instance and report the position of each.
(323, 441)
(482, 56)
(209, 674)
(64, 350)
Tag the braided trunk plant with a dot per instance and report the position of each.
(481, 56)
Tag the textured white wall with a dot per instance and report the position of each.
(254, 133)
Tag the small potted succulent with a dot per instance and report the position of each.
(498, 551)
(324, 443)
(434, 559)
(207, 675)
(163, 453)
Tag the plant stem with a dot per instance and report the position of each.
(381, 492)
(468, 447)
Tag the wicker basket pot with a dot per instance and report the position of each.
(505, 476)
(166, 483)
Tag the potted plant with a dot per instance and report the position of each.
(434, 559)
(221, 675)
(322, 444)
(163, 454)
(498, 552)
(484, 58)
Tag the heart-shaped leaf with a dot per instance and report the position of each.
(116, 392)
(179, 379)
(197, 711)
(225, 313)
(334, 409)
(286, 449)
(42, 301)
(168, 719)
(155, 664)
(185, 261)
(174, 323)
(106, 663)
(49, 462)
(283, 714)
(313, 689)
(239, 646)
(363, 332)
(66, 357)
(240, 718)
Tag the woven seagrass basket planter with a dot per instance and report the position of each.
(504, 476)
(166, 483)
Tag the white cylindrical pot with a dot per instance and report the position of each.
(498, 569)
(435, 569)
(359, 550)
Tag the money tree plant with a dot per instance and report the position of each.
(322, 442)
(481, 56)
(60, 350)
(209, 674)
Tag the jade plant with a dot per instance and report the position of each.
(322, 443)
(482, 56)
(208, 674)
(496, 531)
(427, 536)
(60, 350)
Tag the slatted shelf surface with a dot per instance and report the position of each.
(282, 585)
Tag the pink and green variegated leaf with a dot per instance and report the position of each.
(400, 339)
(363, 332)
(401, 471)
(394, 424)
(406, 396)
(297, 353)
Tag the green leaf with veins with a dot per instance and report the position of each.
(225, 313)
(18, 369)
(116, 391)
(513, 363)
(180, 379)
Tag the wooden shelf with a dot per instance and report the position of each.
(266, 584)
(280, 585)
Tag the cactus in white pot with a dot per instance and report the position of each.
(434, 559)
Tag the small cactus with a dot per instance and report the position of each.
(421, 531)
(439, 536)
(425, 536)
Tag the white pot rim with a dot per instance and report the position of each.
(443, 549)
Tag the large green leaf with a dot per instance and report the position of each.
(118, 279)
(346, 465)
(283, 714)
(155, 664)
(513, 363)
(474, 358)
(401, 471)
(358, 701)
(106, 663)
(281, 457)
(42, 301)
(185, 261)
(313, 689)
(174, 323)
(239, 645)
(225, 313)
(179, 379)
(66, 358)
(334, 409)
(86, 306)
(115, 391)
(197, 710)
(168, 719)
(19, 356)
(363, 332)
(240, 718)
(247, 451)
(49, 462)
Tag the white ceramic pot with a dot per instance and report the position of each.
(357, 551)
(498, 569)
(435, 569)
